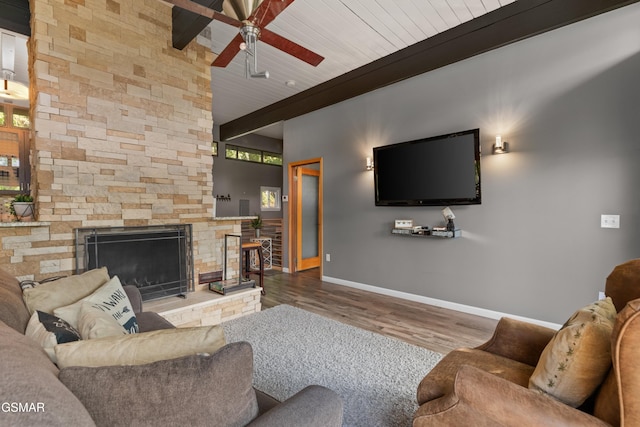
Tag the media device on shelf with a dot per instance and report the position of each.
(437, 171)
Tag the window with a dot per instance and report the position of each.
(269, 198)
(272, 158)
(252, 155)
(231, 152)
(20, 118)
(15, 171)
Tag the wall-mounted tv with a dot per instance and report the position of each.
(437, 171)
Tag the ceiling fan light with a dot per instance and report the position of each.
(14, 90)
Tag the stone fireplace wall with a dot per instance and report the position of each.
(121, 131)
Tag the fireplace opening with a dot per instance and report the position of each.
(156, 259)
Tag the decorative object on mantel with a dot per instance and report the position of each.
(22, 207)
(256, 224)
(223, 198)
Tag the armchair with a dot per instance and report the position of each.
(488, 385)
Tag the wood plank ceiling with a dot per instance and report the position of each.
(369, 44)
(348, 33)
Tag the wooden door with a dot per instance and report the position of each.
(305, 215)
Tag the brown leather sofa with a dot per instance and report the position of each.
(488, 385)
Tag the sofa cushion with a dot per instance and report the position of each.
(194, 390)
(29, 377)
(13, 310)
(621, 284)
(110, 298)
(439, 381)
(578, 357)
(95, 323)
(49, 331)
(152, 321)
(138, 349)
(51, 295)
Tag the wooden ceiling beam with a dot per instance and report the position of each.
(187, 25)
(15, 16)
(517, 21)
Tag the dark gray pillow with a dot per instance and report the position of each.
(194, 390)
(30, 379)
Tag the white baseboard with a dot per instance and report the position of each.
(437, 302)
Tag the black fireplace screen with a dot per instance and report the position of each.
(156, 259)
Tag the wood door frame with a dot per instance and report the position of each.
(293, 200)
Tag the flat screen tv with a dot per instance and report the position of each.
(438, 171)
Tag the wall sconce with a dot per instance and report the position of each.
(500, 147)
(369, 163)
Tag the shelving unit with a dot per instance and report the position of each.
(447, 234)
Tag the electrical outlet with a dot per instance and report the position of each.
(610, 221)
(328, 257)
(601, 295)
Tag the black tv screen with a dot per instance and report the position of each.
(438, 171)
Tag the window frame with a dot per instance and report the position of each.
(277, 191)
(237, 152)
(24, 148)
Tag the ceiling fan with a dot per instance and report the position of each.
(251, 17)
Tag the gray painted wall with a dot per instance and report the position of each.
(242, 180)
(567, 102)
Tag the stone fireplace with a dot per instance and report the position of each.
(121, 133)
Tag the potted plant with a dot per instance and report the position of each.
(256, 224)
(21, 206)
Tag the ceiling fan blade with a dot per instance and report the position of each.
(228, 53)
(267, 11)
(292, 48)
(204, 11)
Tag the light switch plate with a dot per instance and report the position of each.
(610, 221)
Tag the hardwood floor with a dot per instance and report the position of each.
(431, 327)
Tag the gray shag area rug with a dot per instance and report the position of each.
(376, 376)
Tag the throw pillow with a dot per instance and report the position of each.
(194, 390)
(95, 323)
(49, 331)
(110, 298)
(138, 349)
(51, 295)
(578, 357)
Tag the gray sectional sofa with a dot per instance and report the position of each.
(212, 390)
